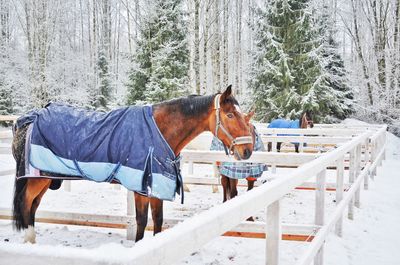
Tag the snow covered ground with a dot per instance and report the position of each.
(369, 239)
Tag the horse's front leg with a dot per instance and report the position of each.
(225, 188)
(233, 187)
(157, 214)
(250, 186)
(142, 210)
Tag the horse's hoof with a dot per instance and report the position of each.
(30, 236)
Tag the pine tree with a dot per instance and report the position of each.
(337, 80)
(100, 96)
(161, 62)
(288, 75)
(6, 104)
(334, 67)
(105, 84)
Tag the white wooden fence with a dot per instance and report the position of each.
(188, 236)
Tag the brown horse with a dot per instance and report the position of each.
(179, 121)
(304, 122)
(229, 183)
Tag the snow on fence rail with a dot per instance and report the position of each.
(195, 232)
(188, 236)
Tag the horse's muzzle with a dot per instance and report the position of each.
(245, 154)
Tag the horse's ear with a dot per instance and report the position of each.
(248, 116)
(227, 93)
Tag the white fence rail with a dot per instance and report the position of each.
(186, 237)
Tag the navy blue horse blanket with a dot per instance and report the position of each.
(123, 145)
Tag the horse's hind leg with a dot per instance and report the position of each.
(296, 147)
(35, 189)
(278, 147)
(157, 214)
(142, 211)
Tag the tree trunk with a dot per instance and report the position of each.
(216, 49)
(205, 45)
(225, 43)
(360, 53)
(196, 46)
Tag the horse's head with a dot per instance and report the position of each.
(231, 125)
(306, 120)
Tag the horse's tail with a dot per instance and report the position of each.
(18, 151)
(18, 203)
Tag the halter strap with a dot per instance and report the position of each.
(218, 124)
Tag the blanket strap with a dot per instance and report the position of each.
(113, 173)
(179, 179)
(80, 170)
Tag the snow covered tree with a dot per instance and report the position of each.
(5, 99)
(288, 76)
(161, 63)
(338, 80)
(105, 84)
(333, 64)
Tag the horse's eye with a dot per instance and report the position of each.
(230, 115)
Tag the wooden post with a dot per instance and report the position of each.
(320, 210)
(351, 181)
(274, 233)
(274, 149)
(301, 145)
(339, 193)
(384, 145)
(366, 159)
(216, 175)
(357, 173)
(190, 168)
(190, 171)
(380, 144)
(373, 157)
(131, 212)
(67, 185)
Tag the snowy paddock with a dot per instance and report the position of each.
(296, 207)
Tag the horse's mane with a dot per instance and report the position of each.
(194, 105)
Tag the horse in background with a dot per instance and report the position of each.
(231, 172)
(305, 121)
(178, 121)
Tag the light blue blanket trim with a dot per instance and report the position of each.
(163, 186)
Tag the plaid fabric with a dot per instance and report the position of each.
(240, 170)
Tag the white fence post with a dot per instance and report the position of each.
(366, 159)
(273, 233)
(320, 210)
(274, 149)
(131, 212)
(384, 144)
(357, 173)
(339, 193)
(301, 145)
(374, 153)
(216, 175)
(351, 181)
(67, 185)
